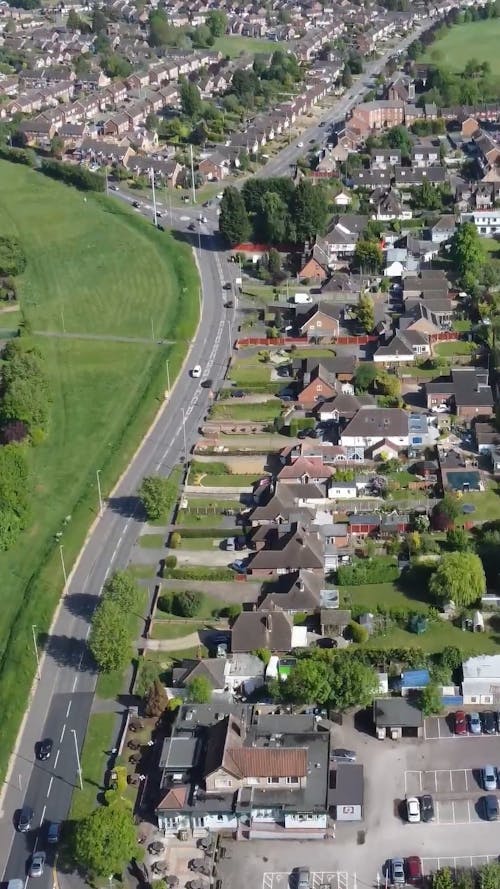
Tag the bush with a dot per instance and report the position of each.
(231, 611)
(24, 156)
(195, 573)
(147, 673)
(367, 571)
(264, 654)
(187, 603)
(165, 603)
(175, 540)
(12, 257)
(357, 633)
(170, 561)
(80, 177)
(218, 533)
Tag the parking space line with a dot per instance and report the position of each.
(468, 811)
(466, 782)
(435, 782)
(451, 780)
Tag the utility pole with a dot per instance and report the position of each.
(78, 764)
(61, 548)
(155, 215)
(229, 334)
(98, 472)
(192, 174)
(35, 646)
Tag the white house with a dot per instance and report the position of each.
(487, 222)
(481, 682)
(342, 490)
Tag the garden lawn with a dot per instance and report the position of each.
(454, 347)
(234, 46)
(250, 371)
(98, 741)
(151, 541)
(208, 606)
(252, 412)
(487, 505)
(436, 637)
(107, 269)
(478, 40)
(165, 629)
(384, 595)
(232, 480)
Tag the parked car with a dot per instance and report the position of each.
(341, 753)
(460, 723)
(397, 871)
(229, 304)
(25, 818)
(53, 832)
(475, 723)
(490, 807)
(44, 748)
(239, 566)
(489, 777)
(37, 864)
(207, 384)
(427, 807)
(414, 872)
(191, 227)
(237, 393)
(303, 878)
(136, 205)
(489, 722)
(413, 809)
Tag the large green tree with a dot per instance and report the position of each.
(467, 254)
(368, 256)
(105, 841)
(190, 97)
(365, 311)
(109, 639)
(158, 495)
(216, 21)
(199, 690)
(308, 211)
(234, 223)
(431, 702)
(459, 577)
(308, 682)
(123, 589)
(353, 683)
(272, 221)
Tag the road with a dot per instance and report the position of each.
(62, 700)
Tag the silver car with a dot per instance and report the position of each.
(489, 777)
(303, 878)
(398, 872)
(37, 864)
(475, 724)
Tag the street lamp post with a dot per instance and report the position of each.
(33, 630)
(184, 432)
(78, 764)
(168, 373)
(98, 473)
(61, 548)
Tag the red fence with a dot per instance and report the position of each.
(443, 336)
(303, 341)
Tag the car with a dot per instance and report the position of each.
(114, 187)
(159, 214)
(313, 433)
(343, 754)
(475, 723)
(413, 867)
(237, 393)
(490, 807)
(300, 144)
(192, 227)
(136, 205)
(489, 722)
(203, 219)
(227, 286)
(229, 304)
(303, 878)
(196, 372)
(322, 123)
(53, 832)
(397, 871)
(489, 777)
(25, 818)
(426, 808)
(413, 809)
(207, 384)
(498, 720)
(44, 748)
(239, 566)
(37, 864)
(460, 723)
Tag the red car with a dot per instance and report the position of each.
(460, 723)
(414, 872)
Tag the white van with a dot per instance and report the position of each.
(302, 298)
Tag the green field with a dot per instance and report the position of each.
(234, 46)
(111, 273)
(478, 40)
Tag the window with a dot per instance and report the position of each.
(292, 780)
(273, 780)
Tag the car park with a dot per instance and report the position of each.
(25, 818)
(488, 722)
(397, 871)
(475, 723)
(413, 809)
(490, 807)
(489, 777)
(37, 864)
(460, 723)
(196, 372)
(44, 749)
(427, 807)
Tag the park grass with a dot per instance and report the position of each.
(98, 741)
(478, 40)
(151, 541)
(262, 412)
(454, 347)
(235, 46)
(104, 393)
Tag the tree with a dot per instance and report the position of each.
(357, 632)
(467, 253)
(272, 220)
(199, 690)
(443, 879)
(190, 97)
(347, 77)
(445, 512)
(353, 683)
(421, 522)
(12, 257)
(364, 376)
(399, 137)
(158, 496)
(458, 539)
(459, 577)
(308, 682)
(122, 588)
(365, 312)
(187, 603)
(14, 494)
(156, 699)
(234, 223)
(388, 383)
(116, 65)
(99, 21)
(274, 265)
(106, 840)
(430, 700)
(216, 21)
(109, 639)
(308, 211)
(368, 256)
(489, 877)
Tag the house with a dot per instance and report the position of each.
(423, 156)
(214, 168)
(342, 490)
(247, 771)
(481, 680)
(320, 322)
(443, 230)
(398, 351)
(298, 591)
(487, 222)
(287, 548)
(316, 385)
(304, 470)
(236, 674)
(258, 629)
(346, 795)
(315, 265)
(467, 392)
(397, 718)
(37, 131)
(487, 438)
(116, 125)
(372, 425)
(384, 158)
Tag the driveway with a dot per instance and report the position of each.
(210, 558)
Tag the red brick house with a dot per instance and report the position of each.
(316, 386)
(320, 322)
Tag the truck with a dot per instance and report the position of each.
(301, 298)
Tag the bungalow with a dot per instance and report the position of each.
(372, 425)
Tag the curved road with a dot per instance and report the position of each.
(62, 700)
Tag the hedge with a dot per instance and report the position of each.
(80, 177)
(196, 573)
(367, 571)
(189, 533)
(18, 156)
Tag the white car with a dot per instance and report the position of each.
(196, 372)
(413, 809)
(440, 409)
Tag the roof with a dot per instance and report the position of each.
(349, 785)
(397, 712)
(484, 666)
(209, 668)
(257, 629)
(270, 762)
(374, 421)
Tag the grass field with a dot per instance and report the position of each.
(98, 741)
(234, 46)
(478, 40)
(251, 412)
(454, 347)
(104, 393)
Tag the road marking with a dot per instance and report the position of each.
(451, 780)
(75, 679)
(50, 785)
(56, 759)
(62, 734)
(43, 815)
(88, 631)
(69, 708)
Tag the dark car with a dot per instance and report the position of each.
(53, 832)
(44, 748)
(460, 723)
(314, 433)
(192, 227)
(25, 818)
(426, 807)
(227, 285)
(206, 384)
(302, 433)
(489, 722)
(343, 754)
(136, 205)
(237, 393)
(229, 304)
(490, 807)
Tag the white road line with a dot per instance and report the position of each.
(42, 819)
(68, 709)
(453, 812)
(56, 759)
(451, 780)
(435, 782)
(50, 786)
(62, 734)
(75, 680)
(468, 811)
(439, 728)
(466, 782)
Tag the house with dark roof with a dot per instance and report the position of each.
(286, 548)
(320, 322)
(466, 391)
(373, 426)
(258, 629)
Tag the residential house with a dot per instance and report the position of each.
(319, 322)
(214, 168)
(37, 131)
(384, 158)
(466, 392)
(116, 124)
(481, 680)
(237, 674)
(423, 156)
(258, 629)
(373, 426)
(443, 230)
(285, 549)
(316, 385)
(487, 222)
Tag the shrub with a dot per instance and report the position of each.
(170, 561)
(165, 602)
(231, 611)
(12, 256)
(24, 156)
(187, 603)
(175, 540)
(366, 571)
(264, 654)
(147, 673)
(80, 177)
(357, 633)
(196, 573)
(218, 533)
